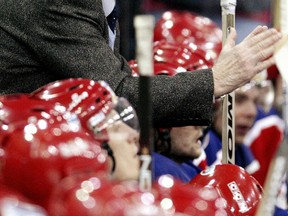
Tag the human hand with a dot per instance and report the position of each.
(238, 64)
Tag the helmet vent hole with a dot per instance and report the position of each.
(13, 97)
(4, 141)
(37, 109)
(74, 87)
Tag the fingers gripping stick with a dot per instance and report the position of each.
(144, 27)
(228, 8)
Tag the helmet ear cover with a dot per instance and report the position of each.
(162, 143)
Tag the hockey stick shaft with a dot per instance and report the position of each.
(228, 8)
(144, 29)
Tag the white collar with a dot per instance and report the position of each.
(108, 6)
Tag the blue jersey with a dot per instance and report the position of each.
(163, 165)
(191, 169)
(212, 145)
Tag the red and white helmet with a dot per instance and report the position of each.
(241, 192)
(81, 96)
(176, 26)
(48, 147)
(96, 105)
(91, 101)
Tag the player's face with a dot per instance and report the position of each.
(245, 111)
(185, 141)
(124, 142)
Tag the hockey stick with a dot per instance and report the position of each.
(144, 28)
(278, 166)
(228, 118)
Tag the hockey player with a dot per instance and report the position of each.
(109, 119)
(43, 145)
(177, 147)
(245, 115)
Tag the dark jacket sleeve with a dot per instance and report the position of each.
(69, 38)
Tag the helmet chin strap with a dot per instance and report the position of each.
(106, 146)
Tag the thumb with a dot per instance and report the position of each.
(231, 38)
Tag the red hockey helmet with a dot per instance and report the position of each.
(17, 109)
(94, 195)
(172, 58)
(160, 68)
(98, 108)
(241, 192)
(175, 197)
(91, 101)
(46, 149)
(186, 55)
(177, 26)
(82, 96)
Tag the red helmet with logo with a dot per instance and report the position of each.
(48, 147)
(96, 105)
(177, 26)
(81, 96)
(91, 101)
(241, 192)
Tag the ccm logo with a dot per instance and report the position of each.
(230, 130)
(238, 197)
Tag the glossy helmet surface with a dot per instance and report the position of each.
(81, 96)
(172, 58)
(175, 197)
(186, 55)
(48, 147)
(97, 107)
(94, 195)
(91, 101)
(16, 109)
(14, 203)
(160, 68)
(177, 26)
(241, 192)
